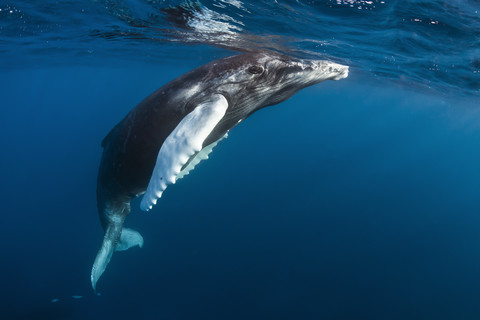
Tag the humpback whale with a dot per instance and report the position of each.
(168, 133)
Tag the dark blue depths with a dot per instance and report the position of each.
(345, 202)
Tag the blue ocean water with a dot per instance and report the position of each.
(354, 199)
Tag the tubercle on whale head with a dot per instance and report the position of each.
(343, 73)
(304, 73)
(339, 71)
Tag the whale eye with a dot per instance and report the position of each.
(255, 69)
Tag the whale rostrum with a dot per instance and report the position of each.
(167, 134)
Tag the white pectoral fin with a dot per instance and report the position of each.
(184, 141)
(199, 157)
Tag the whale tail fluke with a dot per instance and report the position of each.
(129, 238)
(116, 239)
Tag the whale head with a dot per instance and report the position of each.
(257, 80)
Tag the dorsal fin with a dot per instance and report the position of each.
(113, 131)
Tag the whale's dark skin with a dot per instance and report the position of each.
(248, 82)
(131, 148)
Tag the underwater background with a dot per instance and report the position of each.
(354, 199)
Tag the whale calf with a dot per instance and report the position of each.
(173, 129)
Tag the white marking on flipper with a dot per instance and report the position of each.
(202, 155)
(184, 141)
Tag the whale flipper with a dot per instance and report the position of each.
(199, 157)
(185, 141)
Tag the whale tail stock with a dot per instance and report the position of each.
(116, 238)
